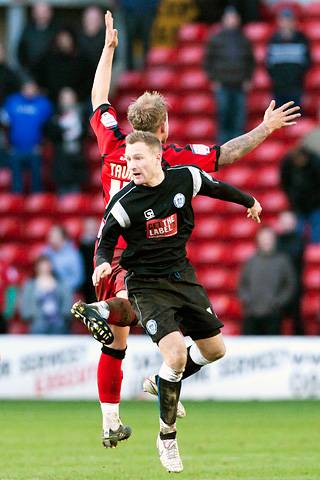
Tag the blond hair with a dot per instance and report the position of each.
(145, 137)
(148, 112)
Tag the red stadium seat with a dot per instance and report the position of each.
(92, 154)
(209, 252)
(34, 251)
(95, 178)
(161, 78)
(260, 52)
(209, 228)
(237, 175)
(97, 205)
(14, 253)
(195, 80)
(270, 151)
(11, 203)
(74, 227)
(193, 33)
(311, 104)
(190, 56)
(315, 52)
(311, 279)
(40, 203)
(242, 229)
(5, 179)
(174, 103)
(312, 254)
(176, 129)
(226, 306)
(199, 127)
(203, 205)
(74, 203)
(313, 79)
(37, 228)
(311, 10)
(258, 102)
(267, 177)
(218, 278)
(240, 252)
(303, 126)
(258, 32)
(131, 81)
(261, 79)
(194, 103)
(10, 228)
(161, 56)
(311, 305)
(311, 30)
(274, 202)
(123, 101)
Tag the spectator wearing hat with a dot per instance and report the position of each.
(288, 59)
(229, 64)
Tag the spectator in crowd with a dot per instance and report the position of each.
(9, 83)
(66, 131)
(64, 66)
(8, 293)
(229, 64)
(45, 301)
(86, 246)
(92, 37)
(36, 37)
(266, 286)
(288, 59)
(138, 16)
(311, 141)
(300, 179)
(291, 244)
(25, 115)
(66, 260)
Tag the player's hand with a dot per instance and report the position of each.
(254, 211)
(111, 40)
(283, 116)
(101, 271)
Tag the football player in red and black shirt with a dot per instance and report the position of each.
(147, 113)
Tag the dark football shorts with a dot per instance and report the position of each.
(173, 303)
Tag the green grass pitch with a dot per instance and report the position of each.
(218, 441)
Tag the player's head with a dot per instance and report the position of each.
(143, 154)
(149, 113)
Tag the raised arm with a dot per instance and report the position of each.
(102, 78)
(274, 118)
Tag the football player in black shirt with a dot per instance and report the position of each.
(154, 215)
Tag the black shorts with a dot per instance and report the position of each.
(170, 304)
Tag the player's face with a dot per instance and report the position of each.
(144, 163)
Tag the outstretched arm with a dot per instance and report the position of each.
(273, 119)
(102, 78)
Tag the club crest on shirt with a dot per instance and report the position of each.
(152, 326)
(162, 227)
(179, 200)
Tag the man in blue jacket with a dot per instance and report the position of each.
(25, 114)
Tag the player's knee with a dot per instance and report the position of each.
(214, 354)
(177, 358)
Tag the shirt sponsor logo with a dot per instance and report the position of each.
(108, 120)
(149, 214)
(179, 200)
(162, 227)
(199, 149)
(152, 327)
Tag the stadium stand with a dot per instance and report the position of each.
(223, 237)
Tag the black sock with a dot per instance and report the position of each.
(190, 367)
(168, 393)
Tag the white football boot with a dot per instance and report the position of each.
(169, 455)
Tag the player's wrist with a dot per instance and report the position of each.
(267, 127)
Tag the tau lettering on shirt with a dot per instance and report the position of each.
(119, 171)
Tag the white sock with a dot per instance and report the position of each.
(170, 374)
(164, 428)
(110, 416)
(196, 355)
(102, 308)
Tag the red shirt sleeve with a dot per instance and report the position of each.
(104, 123)
(205, 157)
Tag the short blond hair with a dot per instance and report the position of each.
(145, 137)
(148, 112)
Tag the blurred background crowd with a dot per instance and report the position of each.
(219, 63)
